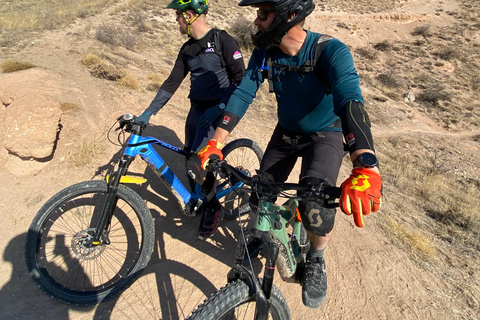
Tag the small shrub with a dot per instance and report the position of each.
(116, 36)
(156, 82)
(416, 240)
(242, 30)
(128, 81)
(448, 54)
(367, 53)
(422, 31)
(383, 46)
(434, 96)
(423, 78)
(390, 80)
(141, 22)
(91, 59)
(106, 71)
(13, 65)
(475, 84)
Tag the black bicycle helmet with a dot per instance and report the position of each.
(273, 35)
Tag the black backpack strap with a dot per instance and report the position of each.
(218, 47)
(266, 69)
(317, 52)
(313, 65)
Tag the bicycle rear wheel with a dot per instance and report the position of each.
(59, 258)
(234, 302)
(245, 155)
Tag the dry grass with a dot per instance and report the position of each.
(117, 36)
(156, 81)
(103, 70)
(107, 71)
(449, 200)
(13, 65)
(87, 151)
(128, 81)
(91, 59)
(32, 15)
(414, 240)
(241, 30)
(68, 107)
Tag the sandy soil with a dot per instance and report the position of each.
(369, 276)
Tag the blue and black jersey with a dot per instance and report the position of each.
(304, 104)
(212, 80)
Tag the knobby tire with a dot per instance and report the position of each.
(245, 155)
(235, 297)
(74, 273)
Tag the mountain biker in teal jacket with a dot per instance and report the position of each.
(315, 116)
(215, 63)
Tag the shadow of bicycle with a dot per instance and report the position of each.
(20, 298)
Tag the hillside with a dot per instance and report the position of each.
(418, 62)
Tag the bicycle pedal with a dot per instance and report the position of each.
(192, 208)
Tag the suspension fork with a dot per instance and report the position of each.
(263, 299)
(111, 202)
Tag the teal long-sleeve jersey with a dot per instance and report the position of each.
(304, 105)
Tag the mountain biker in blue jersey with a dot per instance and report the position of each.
(314, 119)
(216, 67)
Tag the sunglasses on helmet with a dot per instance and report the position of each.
(262, 14)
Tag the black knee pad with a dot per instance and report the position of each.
(315, 217)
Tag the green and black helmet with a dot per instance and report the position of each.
(198, 6)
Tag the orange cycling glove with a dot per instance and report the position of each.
(361, 194)
(210, 152)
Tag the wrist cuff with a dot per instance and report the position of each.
(215, 143)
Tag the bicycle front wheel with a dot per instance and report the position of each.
(57, 250)
(234, 302)
(245, 155)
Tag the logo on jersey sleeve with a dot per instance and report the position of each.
(226, 120)
(237, 55)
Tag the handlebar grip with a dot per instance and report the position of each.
(237, 173)
(334, 192)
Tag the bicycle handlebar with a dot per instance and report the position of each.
(127, 121)
(321, 192)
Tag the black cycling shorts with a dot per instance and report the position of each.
(321, 152)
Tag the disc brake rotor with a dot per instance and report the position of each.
(81, 245)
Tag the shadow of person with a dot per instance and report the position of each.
(20, 298)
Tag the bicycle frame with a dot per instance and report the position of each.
(271, 221)
(143, 146)
(274, 219)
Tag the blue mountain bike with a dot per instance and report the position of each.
(90, 241)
